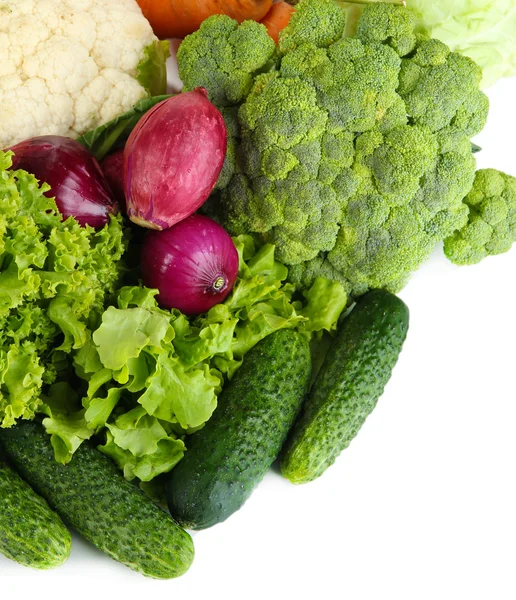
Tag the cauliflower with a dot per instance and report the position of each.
(352, 155)
(67, 66)
(491, 226)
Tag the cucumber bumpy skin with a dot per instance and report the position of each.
(91, 495)
(228, 457)
(30, 532)
(353, 376)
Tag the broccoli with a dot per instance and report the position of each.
(491, 226)
(351, 154)
(223, 57)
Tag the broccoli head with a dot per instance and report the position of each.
(353, 154)
(491, 225)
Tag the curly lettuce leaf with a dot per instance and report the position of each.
(55, 277)
(141, 446)
(65, 421)
(175, 394)
(325, 301)
(124, 333)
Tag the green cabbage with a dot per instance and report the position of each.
(484, 30)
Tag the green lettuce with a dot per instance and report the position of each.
(152, 376)
(54, 279)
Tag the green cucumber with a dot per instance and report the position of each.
(91, 495)
(353, 376)
(30, 532)
(228, 457)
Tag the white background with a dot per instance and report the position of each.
(422, 505)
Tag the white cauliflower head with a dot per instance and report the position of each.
(68, 66)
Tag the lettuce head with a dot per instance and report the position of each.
(54, 278)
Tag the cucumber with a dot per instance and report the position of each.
(30, 533)
(226, 459)
(91, 495)
(346, 389)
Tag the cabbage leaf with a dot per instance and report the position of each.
(484, 30)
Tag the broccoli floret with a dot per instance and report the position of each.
(491, 225)
(440, 90)
(394, 28)
(353, 155)
(223, 57)
(319, 23)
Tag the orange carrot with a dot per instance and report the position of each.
(277, 18)
(178, 18)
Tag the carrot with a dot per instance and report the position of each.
(178, 18)
(277, 18)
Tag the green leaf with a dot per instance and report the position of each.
(174, 394)
(65, 422)
(141, 446)
(124, 333)
(100, 409)
(61, 312)
(152, 69)
(20, 382)
(325, 302)
(198, 344)
(113, 135)
(137, 432)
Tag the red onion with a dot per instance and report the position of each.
(113, 168)
(193, 264)
(172, 159)
(74, 176)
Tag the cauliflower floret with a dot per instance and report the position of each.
(67, 66)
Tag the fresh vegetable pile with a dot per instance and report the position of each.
(218, 292)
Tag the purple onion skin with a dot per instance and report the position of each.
(193, 264)
(172, 159)
(75, 178)
(113, 168)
